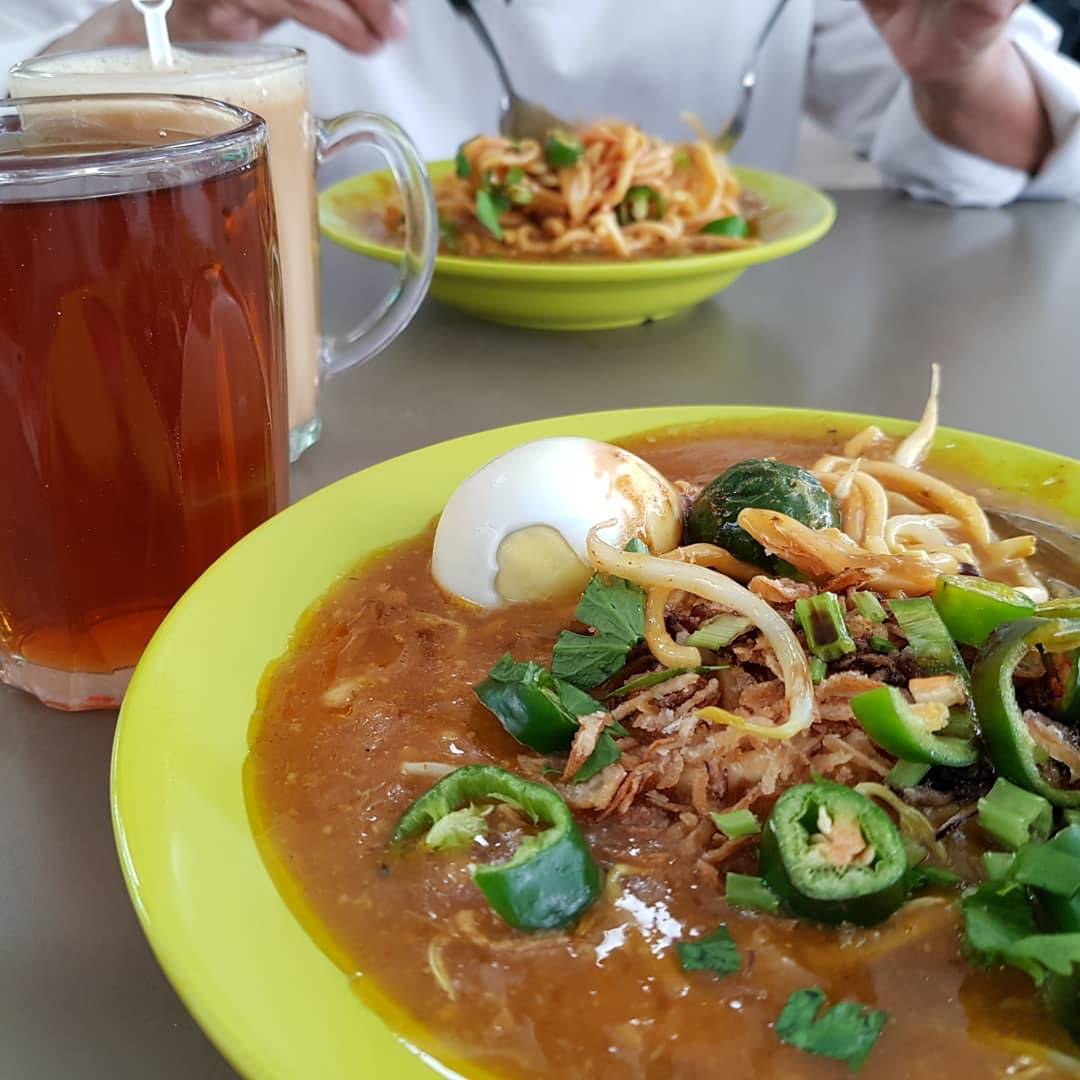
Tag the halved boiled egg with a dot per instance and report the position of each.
(515, 531)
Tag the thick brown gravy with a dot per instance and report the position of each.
(380, 675)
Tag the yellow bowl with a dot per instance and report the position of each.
(584, 295)
(262, 989)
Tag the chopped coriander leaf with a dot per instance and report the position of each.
(487, 213)
(930, 877)
(613, 606)
(577, 701)
(994, 921)
(751, 893)
(1049, 867)
(605, 753)
(1058, 953)
(847, 1032)
(461, 163)
(457, 829)
(587, 659)
(655, 678)
(716, 952)
(736, 823)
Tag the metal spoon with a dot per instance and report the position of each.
(519, 118)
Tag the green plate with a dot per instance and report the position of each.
(586, 295)
(262, 989)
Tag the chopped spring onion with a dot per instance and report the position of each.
(868, 606)
(655, 678)
(461, 163)
(736, 823)
(928, 639)
(905, 774)
(744, 891)
(997, 864)
(881, 645)
(822, 620)
(719, 632)
(1061, 635)
(1014, 816)
(733, 225)
(818, 670)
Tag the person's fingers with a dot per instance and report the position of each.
(334, 18)
(381, 17)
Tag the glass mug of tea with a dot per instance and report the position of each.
(142, 373)
(272, 81)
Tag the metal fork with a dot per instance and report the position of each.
(519, 118)
(732, 133)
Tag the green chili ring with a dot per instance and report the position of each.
(1011, 746)
(803, 878)
(551, 879)
(888, 719)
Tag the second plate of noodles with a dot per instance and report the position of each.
(591, 228)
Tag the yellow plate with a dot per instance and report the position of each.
(584, 295)
(269, 998)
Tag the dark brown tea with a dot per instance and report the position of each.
(142, 417)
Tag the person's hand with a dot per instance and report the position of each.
(942, 41)
(360, 25)
(969, 82)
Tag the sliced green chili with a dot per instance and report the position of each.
(1014, 816)
(932, 648)
(897, 726)
(1063, 675)
(822, 620)
(1011, 745)
(732, 225)
(550, 880)
(562, 149)
(641, 203)
(973, 607)
(811, 857)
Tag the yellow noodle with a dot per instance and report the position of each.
(571, 210)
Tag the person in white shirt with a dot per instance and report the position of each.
(965, 101)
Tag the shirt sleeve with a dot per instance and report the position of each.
(857, 90)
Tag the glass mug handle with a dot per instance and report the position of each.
(393, 313)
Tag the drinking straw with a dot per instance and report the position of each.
(157, 32)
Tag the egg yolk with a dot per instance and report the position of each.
(536, 563)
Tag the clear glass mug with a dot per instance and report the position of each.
(272, 81)
(142, 373)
